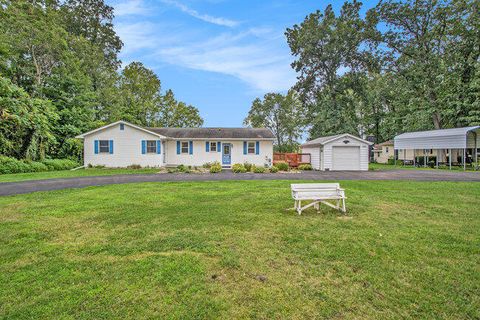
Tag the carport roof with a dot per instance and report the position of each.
(437, 133)
(435, 139)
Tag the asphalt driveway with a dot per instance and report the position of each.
(12, 188)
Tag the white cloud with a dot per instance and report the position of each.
(204, 17)
(131, 7)
(258, 56)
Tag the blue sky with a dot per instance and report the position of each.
(217, 55)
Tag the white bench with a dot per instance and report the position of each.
(318, 193)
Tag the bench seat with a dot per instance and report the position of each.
(318, 193)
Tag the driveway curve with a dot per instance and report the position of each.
(12, 188)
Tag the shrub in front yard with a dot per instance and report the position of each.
(36, 166)
(239, 168)
(248, 166)
(281, 165)
(273, 169)
(207, 165)
(134, 166)
(259, 170)
(305, 167)
(59, 164)
(216, 167)
(12, 165)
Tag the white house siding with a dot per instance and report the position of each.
(127, 148)
(314, 156)
(328, 156)
(200, 156)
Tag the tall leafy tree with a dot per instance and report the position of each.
(330, 53)
(26, 123)
(282, 114)
(177, 114)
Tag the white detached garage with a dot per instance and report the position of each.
(339, 152)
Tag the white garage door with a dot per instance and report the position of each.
(346, 158)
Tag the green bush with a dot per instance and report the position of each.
(207, 165)
(216, 167)
(181, 168)
(259, 170)
(390, 161)
(134, 166)
(305, 167)
(59, 164)
(239, 168)
(248, 166)
(12, 165)
(37, 166)
(273, 169)
(281, 165)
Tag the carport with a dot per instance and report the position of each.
(452, 146)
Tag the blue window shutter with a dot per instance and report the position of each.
(110, 144)
(244, 147)
(207, 146)
(219, 146)
(144, 146)
(191, 147)
(159, 147)
(178, 147)
(96, 146)
(257, 147)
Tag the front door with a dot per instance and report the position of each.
(226, 154)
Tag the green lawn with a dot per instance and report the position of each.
(230, 250)
(70, 174)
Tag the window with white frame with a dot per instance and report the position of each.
(184, 147)
(386, 149)
(151, 146)
(213, 146)
(251, 147)
(104, 146)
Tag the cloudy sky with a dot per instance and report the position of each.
(217, 55)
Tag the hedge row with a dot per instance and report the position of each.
(12, 165)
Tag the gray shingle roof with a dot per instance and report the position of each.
(320, 140)
(214, 133)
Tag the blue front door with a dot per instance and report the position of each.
(226, 153)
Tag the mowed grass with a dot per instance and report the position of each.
(70, 174)
(230, 250)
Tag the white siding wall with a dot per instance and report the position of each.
(314, 156)
(328, 156)
(200, 156)
(127, 148)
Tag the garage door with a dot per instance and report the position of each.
(346, 158)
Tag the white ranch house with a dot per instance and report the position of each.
(121, 144)
(339, 152)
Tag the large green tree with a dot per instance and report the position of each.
(283, 115)
(177, 114)
(26, 123)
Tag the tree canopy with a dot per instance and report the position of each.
(60, 75)
(401, 66)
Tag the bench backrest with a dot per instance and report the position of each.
(315, 190)
(314, 186)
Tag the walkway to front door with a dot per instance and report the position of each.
(226, 154)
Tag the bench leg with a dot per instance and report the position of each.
(344, 208)
(299, 207)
